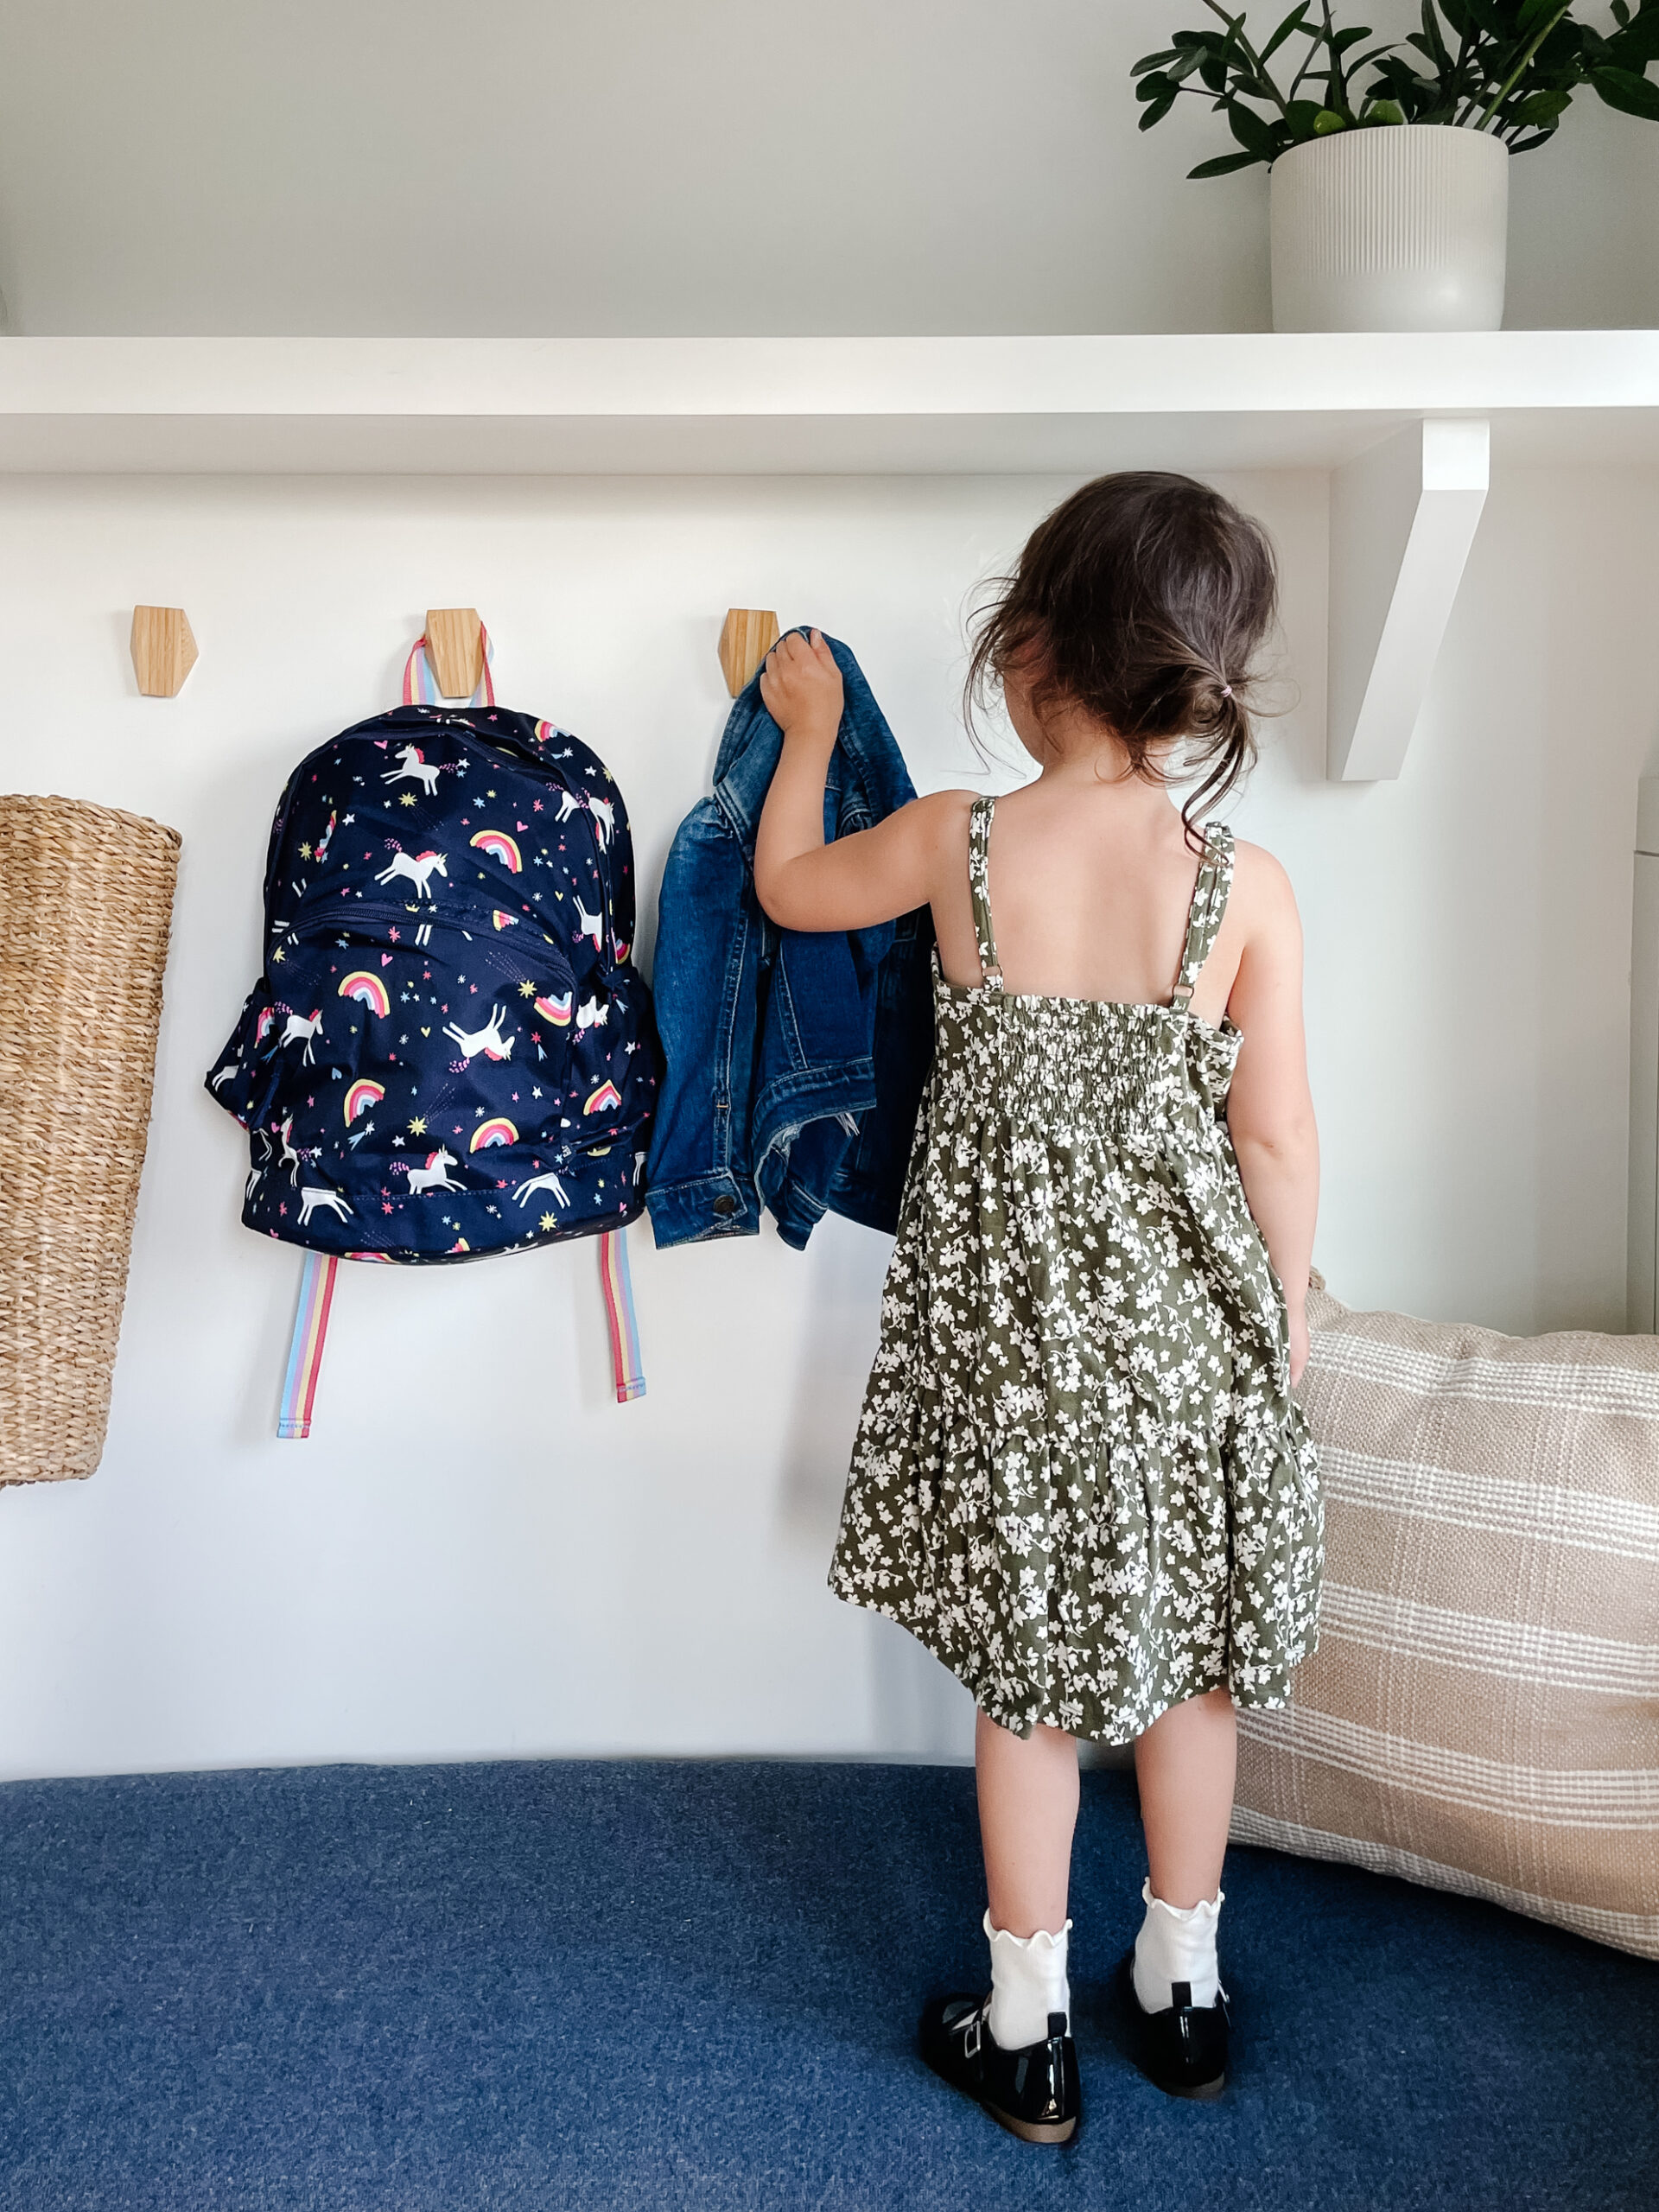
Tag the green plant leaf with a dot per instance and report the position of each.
(1533, 13)
(1155, 61)
(1251, 132)
(1158, 111)
(1383, 111)
(1491, 17)
(1396, 80)
(1352, 37)
(1292, 22)
(1432, 43)
(1328, 120)
(1638, 43)
(1377, 54)
(1538, 138)
(1222, 163)
(1540, 107)
(1301, 116)
(1631, 93)
(1560, 42)
(1154, 87)
(1621, 13)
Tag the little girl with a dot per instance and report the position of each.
(1080, 1477)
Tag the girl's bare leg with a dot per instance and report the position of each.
(1027, 1811)
(1186, 1763)
(1013, 2050)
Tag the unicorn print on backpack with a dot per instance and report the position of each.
(433, 1174)
(312, 1196)
(414, 764)
(417, 869)
(308, 1027)
(488, 1040)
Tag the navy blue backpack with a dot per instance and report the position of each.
(449, 1052)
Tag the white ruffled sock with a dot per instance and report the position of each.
(1027, 1983)
(1176, 1943)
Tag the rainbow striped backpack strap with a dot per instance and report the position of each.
(305, 1352)
(627, 1371)
(317, 1294)
(449, 1051)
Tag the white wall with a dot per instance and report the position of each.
(648, 166)
(478, 1553)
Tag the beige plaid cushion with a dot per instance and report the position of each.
(1482, 1711)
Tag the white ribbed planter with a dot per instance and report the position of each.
(1395, 226)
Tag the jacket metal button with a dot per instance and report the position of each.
(724, 1203)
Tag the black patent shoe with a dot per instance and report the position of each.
(1183, 2049)
(1032, 2092)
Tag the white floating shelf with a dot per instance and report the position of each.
(813, 405)
(1406, 423)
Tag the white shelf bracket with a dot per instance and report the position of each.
(1403, 520)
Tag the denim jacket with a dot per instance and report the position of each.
(796, 1060)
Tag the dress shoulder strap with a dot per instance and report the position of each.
(979, 887)
(1209, 905)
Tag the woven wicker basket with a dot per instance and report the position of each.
(86, 900)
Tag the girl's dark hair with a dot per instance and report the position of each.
(1142, 600)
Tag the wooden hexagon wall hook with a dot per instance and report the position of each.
(164, 649)
(454, 649)
(746, 637)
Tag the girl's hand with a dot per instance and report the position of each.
(800, 687)
(1298, 1346)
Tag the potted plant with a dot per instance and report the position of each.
(1388, 186)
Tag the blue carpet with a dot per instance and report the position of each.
(549, 1984)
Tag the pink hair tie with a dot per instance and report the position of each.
(1226, 690)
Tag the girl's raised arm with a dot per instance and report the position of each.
(872, 875)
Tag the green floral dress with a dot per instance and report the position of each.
(1080, 1478)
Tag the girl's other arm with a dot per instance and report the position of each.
(872, 875)
(1269, 1107)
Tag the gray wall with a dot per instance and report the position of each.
(545, 167)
